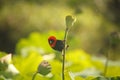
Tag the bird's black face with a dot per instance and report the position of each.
(51, 41)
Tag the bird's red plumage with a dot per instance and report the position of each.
(53, 39)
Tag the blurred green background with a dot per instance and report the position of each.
(96, 20)
(25, 26)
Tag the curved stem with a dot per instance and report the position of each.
(34, 75)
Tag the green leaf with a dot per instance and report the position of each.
(27, 65)
(107, 78)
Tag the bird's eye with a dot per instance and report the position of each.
(51, 41)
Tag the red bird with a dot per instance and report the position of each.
(56, 44)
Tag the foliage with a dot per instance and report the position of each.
(79, 64)
(36, 42)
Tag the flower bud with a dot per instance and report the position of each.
(44, 68)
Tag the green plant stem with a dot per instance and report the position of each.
(34, 75)
(107, 59)
(63, 66)
(106, 63)
(63, 53)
